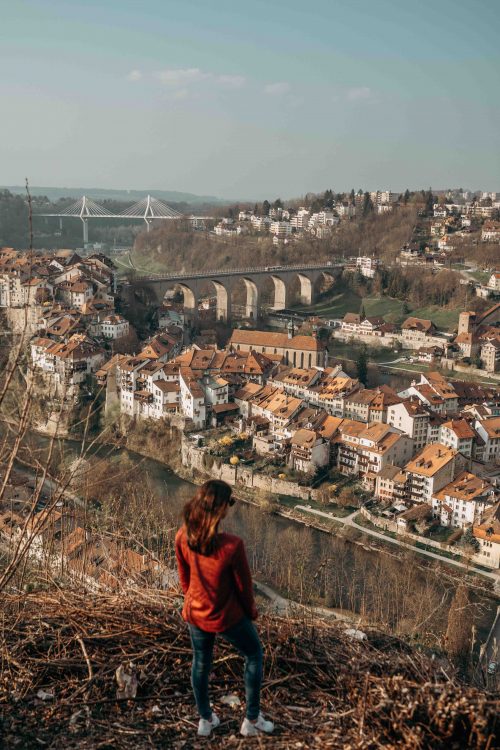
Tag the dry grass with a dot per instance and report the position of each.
(323, 689)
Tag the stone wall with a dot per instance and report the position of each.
(21, 319)
(199, 460)
(453, 365)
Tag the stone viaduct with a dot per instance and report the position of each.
(153, 288)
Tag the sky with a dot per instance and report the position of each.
(248, 100)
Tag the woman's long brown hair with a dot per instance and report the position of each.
(203, 513)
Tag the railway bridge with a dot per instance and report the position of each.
(152, 288)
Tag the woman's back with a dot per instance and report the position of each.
(217, 586)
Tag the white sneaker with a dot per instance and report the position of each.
(252, 728)
(205, 726)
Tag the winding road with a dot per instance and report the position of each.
(349, 521)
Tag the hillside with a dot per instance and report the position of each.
(173, 247)
(101, 194)
(323, 688)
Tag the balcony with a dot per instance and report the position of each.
(144, 397)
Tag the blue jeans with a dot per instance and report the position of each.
(244, 637)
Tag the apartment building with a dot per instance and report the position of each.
(111, 326)
(491, 231)
(415, 332)
(309, 451)
(489, 431)
(411, 417)
(490, 355)
(459, 435)
(192, 398)
(431, 469)
(391, 485)
(463, 501)
(280, 228)
(487, 534)
(364, 450)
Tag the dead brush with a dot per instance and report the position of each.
(323, 688)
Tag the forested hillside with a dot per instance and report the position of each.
(174, 247)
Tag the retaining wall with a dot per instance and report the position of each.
(201, 461)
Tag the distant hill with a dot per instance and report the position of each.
(97, 194)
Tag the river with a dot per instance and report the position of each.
(284, 550)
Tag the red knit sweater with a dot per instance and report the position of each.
(217, 588)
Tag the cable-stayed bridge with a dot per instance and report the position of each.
(148, 210)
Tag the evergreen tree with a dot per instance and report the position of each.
(429, 201)
(362, 365)
(406, 196)
(265, 208)
(367, 204)
(362, 312)
(328, 199)
(278, 203)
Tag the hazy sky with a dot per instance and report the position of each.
(250, 99)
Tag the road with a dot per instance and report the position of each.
(282, 606)
(349, 521)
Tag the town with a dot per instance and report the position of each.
(273, 409)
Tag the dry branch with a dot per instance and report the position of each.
(323, 689)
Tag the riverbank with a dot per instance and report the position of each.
(300, 554)
(188, 463)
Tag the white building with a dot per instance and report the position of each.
(281, 228)
(301, 219)
(412, 418)
(429, 472)
(457, 434)
(489, 430)
(308, 451)
(192, 398)
(463, 501)
(112, 326)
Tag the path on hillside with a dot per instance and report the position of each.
(349, 521)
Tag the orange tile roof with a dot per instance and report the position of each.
(281, 340)
(431, 459)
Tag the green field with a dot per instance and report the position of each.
(389, 308)
(440, 316)
(338, 305)
(481, 276)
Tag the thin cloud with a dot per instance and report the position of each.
(184, 77)
(232, 82)
(360, 92)
(280, 87)
(181, 76)
(134, 75)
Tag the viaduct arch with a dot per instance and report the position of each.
(152, 289)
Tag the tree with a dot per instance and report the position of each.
(362, 314)
(362, 365)
(429, 201)
(367, 204)
(468, 540)
(459, 630)
(328, 200)
(348, 498)
(406, 196)
(278, 203)
(265, 208)
(405, 308)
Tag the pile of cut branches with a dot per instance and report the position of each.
(324, 689)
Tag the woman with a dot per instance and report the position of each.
(218, 598)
